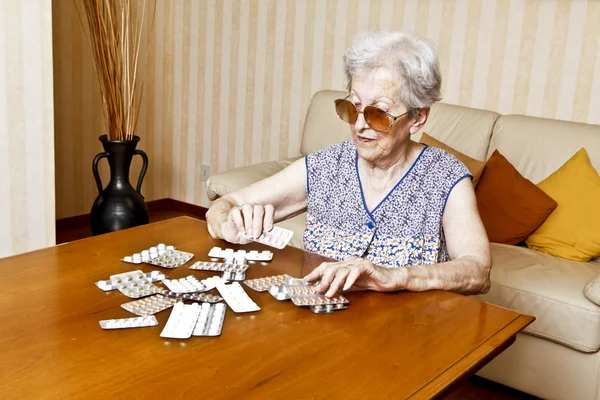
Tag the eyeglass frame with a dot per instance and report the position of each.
(394, 118)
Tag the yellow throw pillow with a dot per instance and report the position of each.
(572, 231)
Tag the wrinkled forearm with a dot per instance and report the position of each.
(465, 275)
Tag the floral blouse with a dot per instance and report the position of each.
(404, 229)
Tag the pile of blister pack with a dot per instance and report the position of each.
(206, 314)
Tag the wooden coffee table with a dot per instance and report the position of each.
(398, 345)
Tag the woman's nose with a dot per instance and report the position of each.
(361, 123)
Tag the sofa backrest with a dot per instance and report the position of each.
(322, 127)
(468, 130)
(537, 146)
(465, 129)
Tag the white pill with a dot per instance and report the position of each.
(128, 259)
(161, 246)
(170, 248)
(137, 258)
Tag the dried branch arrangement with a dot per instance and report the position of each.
(114, 32)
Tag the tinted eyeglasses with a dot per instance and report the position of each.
(375, 117)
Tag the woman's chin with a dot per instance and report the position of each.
(367, 153)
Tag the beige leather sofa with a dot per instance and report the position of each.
(557, 356)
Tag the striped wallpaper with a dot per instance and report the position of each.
(26, 127)
(229, 81)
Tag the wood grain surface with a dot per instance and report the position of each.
(395, 345)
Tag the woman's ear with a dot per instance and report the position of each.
(420, 119)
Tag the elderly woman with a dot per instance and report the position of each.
(397, 215)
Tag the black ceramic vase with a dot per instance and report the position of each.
(119, 205)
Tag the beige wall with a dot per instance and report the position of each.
(26, 127)
(231, 79)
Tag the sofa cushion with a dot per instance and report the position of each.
(222, 183)
(573, 230)
(549, 288)
(511, 207)
(466, 130)
(537, 146)
(592, 290)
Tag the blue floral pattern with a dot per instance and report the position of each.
(405, 229)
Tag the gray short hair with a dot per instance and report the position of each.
(413, 59)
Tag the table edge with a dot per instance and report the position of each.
(473, 361)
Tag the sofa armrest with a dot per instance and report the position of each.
(227, 181)
(592, 290)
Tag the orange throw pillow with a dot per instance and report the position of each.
(511, 207)
(474, 166)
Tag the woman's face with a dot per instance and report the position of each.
(379, 88)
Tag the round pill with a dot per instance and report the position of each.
(128, 259)
(170, 248)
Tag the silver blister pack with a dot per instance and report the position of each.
(171, 259)
(189, 284)
(210, 320)
(134, 284)
(123, 323)
(221, 267)
(276, 237)
(281, 292)
(236, 298)
(182, 321)
(264, 284)
(253, 255)
(200, 297)
(108, 285)
(306, 295)
(328, 309)
(150, 305)
(148, 254)
(233, 276)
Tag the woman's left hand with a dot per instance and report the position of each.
(356, 272)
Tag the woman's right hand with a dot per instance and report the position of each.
(249, 220)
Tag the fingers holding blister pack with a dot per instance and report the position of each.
(276, 237)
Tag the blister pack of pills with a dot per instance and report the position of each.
(328, 309)
(230, 254)
(276, 237)
(108, 285)
(213, 281)
(148, 254)
(150, 305)
(236, 298)
(317, 299)
(188, 284)
(306, 295)
(217, 266)
(234, 276)
(264, 284)
(280, 292)
(210, 320)
(200, 297)
(123, 323)
(171, 259)
(134, 284)
(182, 321)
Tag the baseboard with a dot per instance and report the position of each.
(78, 221)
